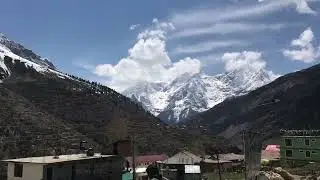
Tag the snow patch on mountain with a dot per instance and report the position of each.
(43, 67)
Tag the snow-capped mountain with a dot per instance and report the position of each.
(15, 52)
(22, 52)
(190, 94)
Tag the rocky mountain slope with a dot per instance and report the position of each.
(289, 102)
(43, 110)
(21, 51)
(191, 94)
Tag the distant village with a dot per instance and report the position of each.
(296, 149)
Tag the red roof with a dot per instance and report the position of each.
(147, 159)
(273, 148)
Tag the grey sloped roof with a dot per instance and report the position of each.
(183, 157)
(231, 156)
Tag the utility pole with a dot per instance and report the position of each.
(219, 170)
(244, 155)
(133, 159)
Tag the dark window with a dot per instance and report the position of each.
(18, 169)
(308, 154)
(288, 142)
(289, 153)
(307, 142)
(49, 173)
(301, 151)
(313, 152)
(313, 140)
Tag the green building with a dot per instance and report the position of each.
(299, 147)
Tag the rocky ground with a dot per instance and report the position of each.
(301, 173)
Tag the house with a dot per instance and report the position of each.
(190, 172)
(177, 164)
(227, 161)
(299, 147)
(66, 167)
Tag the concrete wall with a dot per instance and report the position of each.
(30, 171)
(299, 148)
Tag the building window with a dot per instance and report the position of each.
(308, 154)
(18, 169)
(288, 142)
(313, 140)
(313, 152)
(289, 153)
(301, 151)
(307, 142)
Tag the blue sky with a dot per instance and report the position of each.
(90, 38)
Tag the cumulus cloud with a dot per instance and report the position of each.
(147, 60)
(245, 63)
(157, 29)
(304, 50)
(243, 60)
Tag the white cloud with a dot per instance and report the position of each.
(306, 52)
(147, 60)
(302, 6)
(243, 60)
(207, 46)
(157, 29)
(134, 26)
(225, 28)
(237, 12)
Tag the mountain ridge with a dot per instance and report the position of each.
(296, 107)
(21, 51)
(190, 94)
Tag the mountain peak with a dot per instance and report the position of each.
(192, 93)
(3, 36)
(21, 51)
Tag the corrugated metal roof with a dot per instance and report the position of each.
(62, 158)
(231, 157)
(186, 157)
(183, 157)
(216, 161)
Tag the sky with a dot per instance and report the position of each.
(122, 43)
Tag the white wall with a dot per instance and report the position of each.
(30, 171)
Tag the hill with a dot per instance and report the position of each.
(289, 102)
